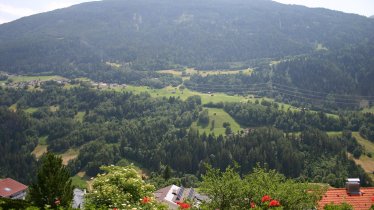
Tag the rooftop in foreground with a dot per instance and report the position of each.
(363, 201)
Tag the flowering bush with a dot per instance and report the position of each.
(265, 198)
(274, 203)
(121, 188)
(146, 200)
(261, 189)
(183, 205)
(266, 203)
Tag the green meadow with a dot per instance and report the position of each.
(216, 119)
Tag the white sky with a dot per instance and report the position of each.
(14, 9)
(361, 7)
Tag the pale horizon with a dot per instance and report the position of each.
(360, 7)
(14, 9)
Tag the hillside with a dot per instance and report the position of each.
(148, 35)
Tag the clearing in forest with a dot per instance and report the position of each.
(41, 148)
(366, 162)
(185, 74)
(71, 154)
(216, 119)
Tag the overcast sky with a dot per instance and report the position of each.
(361, 7)
(14, 9)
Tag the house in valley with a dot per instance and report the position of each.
(12, 189)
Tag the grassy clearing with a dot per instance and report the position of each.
(219, 116)
(13, 107)
(43, 140)
(368, 110)
(366, 162)
(332, 115)
(69, 155)
(171, 71)
(79, 182)
(175, 92)
(70, 86)
(79, 117)
(321, 47)
(114, 65)
(54, 108)
(368, 145)
(31, 110)
(334, 133)
(205, 97)
(329, 133)
(31, 78)
(204, 73)
(39, 150)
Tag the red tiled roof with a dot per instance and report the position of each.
(10, 187)
(339, 195)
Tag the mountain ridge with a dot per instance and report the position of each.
(188, 33)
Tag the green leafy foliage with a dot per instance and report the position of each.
(343, 206)
(225, 189)
(156, 132)
(122, 188)
(17, 142)
(6, 203)
(261, 188)
(53, 186)
(204, 117)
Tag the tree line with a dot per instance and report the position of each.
(156, 133)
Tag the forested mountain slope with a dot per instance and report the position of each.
(146, 34)
(121, 127)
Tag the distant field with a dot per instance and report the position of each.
(79, 182)
(334, 133)
(54, 108)
(171, 91)
(366, 163)
(43, 140)
(112, 64)
(369, 146)
(205, 97)
(30, 78)
(39, 150)
(219, 116)
(13, 107)
(192, 71)
(329, 133)
(370, 110)
(69, 155)
(164, 92)
(168, 91)
(31, 110)
(79, 116)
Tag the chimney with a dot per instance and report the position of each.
(353, 186)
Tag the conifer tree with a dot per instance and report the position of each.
(53, 186)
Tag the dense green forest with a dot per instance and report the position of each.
(156, 132)
(307, 56)
(321, 80)
(296, 80)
